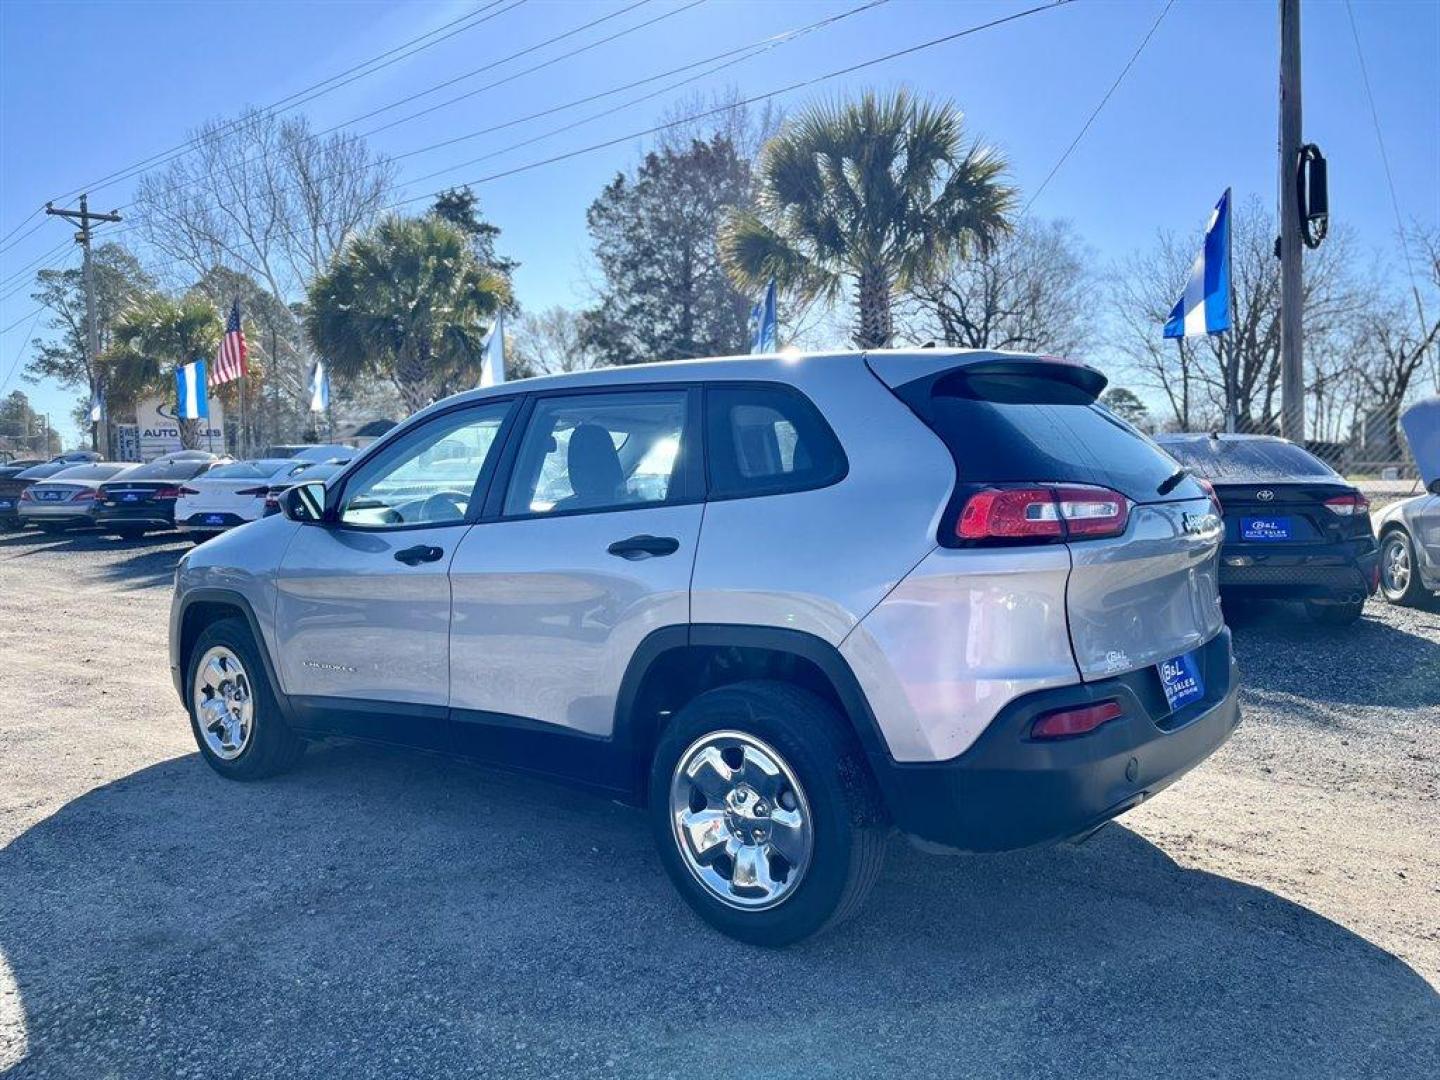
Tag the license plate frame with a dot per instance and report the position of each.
(1181, 679)
(214, 519)
(1275, 528)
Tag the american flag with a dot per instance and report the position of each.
(230, 364)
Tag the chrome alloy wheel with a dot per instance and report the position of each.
(741, 820)
(224, 705)
(1395, 564)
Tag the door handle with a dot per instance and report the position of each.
(414, 556)
(643, 547)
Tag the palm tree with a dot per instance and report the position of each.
(873, 193)
(406, 301)
(152, 338)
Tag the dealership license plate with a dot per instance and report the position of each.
(50, 496)
(1265, 528)
(214, 519)
(1181, 680)
(6, 504)
(130, 496)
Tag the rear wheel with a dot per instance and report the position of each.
(234, 716)
(764, 813)
(1399, 578)
(1334, 614)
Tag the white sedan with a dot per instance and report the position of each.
(233, 494)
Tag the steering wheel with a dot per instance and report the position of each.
(443, 506)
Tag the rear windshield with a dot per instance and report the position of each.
(247, 470)
(996, 435)
(1238, 461)
(89, 472)
(167, 470)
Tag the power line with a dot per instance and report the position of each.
(1096, 111)
(21, 277)
(7, 243)
(753, 48)
(290, 101)
(1389, 177)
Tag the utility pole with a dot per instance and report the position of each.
(101, 436)
(1292, 345)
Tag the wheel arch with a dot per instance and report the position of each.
(200, 608)
(674, 665)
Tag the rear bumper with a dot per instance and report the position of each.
(59, 514)
(1329, 575)
(155, 516)
(1008, 791)
(201, 522)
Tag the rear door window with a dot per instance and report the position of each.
(765, 440)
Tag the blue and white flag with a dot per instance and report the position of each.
(319, 388)
(190, 401)
(1204, 307)
(97, 406)
(492, 355)
(764, 331)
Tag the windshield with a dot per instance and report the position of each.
(1243, 461)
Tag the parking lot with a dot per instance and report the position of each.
(375, 913)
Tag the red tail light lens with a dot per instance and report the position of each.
(1066, 723)
(255, 492)
(168, 493)
(1349, 504)
(1069, 511)
(83, 494)
(188, 491)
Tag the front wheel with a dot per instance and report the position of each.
(1399, 578)
(765, 813)
(234, 716)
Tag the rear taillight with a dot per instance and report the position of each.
(26, 496)
(255, 492)
(272, 501)
(1349, 504)
(1209, 489)
(1068, 511)
(167, 493)
(185, 491)
(1066, 723)
(83, 494)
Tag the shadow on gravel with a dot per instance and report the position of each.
(1281, 650)
(387, 914)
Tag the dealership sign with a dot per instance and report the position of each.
(159, 429)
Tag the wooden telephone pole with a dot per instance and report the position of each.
(1292, 347)
(92, 329)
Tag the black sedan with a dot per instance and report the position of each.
(143, 499)
(1294, 529)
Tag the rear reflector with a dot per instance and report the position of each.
(1349, 504)
(1068, 722)
(1071, 511)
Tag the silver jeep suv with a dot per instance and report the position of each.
(785, 603)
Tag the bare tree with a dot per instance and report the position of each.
(1029, 293)
(551, 342)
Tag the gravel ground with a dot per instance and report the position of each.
(1276, 913)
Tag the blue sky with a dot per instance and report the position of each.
(88, 88)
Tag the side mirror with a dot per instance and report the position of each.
(1435, 486)
(304, 503)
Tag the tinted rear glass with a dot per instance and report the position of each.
(247, 470)
(89, 472)
(167, 470)
(1240, 461)
(1018, 441)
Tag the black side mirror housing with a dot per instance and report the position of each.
(304, 503)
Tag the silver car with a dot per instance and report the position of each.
(66, 499)
(1409, 529)
(785, 604)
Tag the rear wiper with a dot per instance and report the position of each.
(1169, 483)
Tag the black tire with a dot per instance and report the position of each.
(848, 823)
(50, 529)
(272, 747)
(1334, 614)
(1414, 591)
(129, 532)
(198, 538)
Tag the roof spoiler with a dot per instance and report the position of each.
(896, 370)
